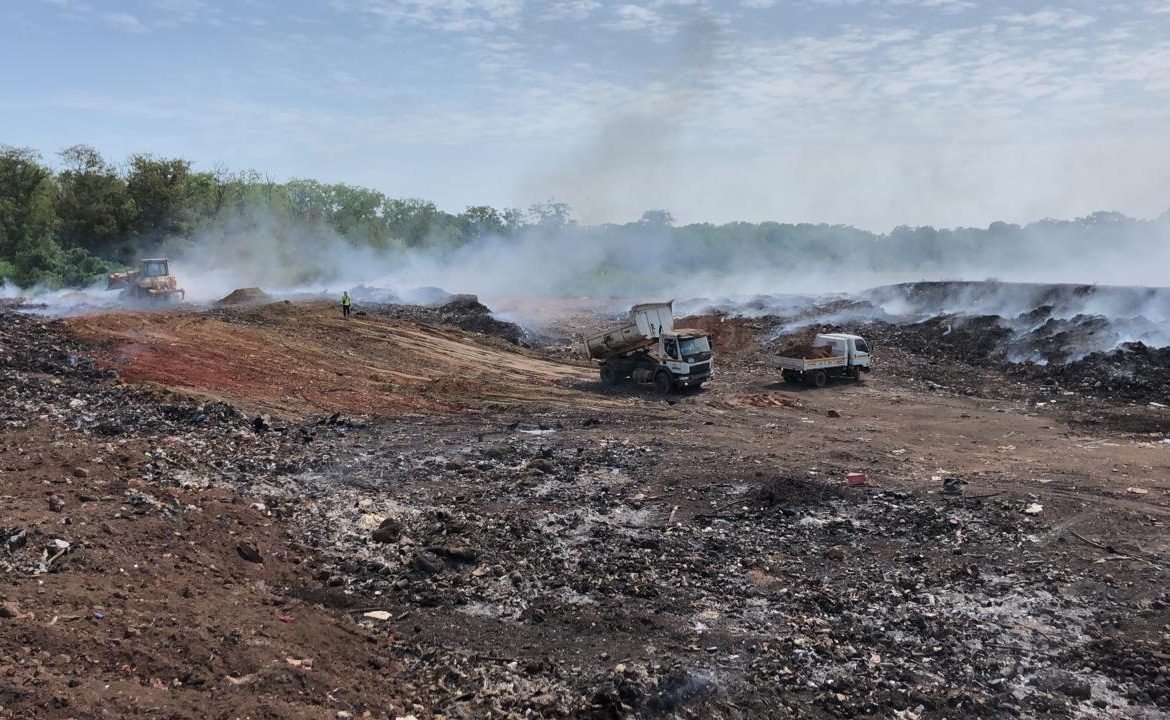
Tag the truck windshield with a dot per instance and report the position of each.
(695, 346)
(861, 346)
(154, 268)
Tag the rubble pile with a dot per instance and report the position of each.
(48, 376)
(463, 311)
(790, 592)
(1074, 337)
(563, 564)
(245, 296)
(1134, 371)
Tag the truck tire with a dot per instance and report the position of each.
(789, 377)
(855, 373)
(819, 379)
(609, 375)
(662, 383)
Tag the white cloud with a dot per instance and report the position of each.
(576, 10)
(634, 17)
(125, 22)
(180, 12)
(1051, 18)
(448, 15)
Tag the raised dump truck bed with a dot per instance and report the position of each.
(650, 351)
(647, 323)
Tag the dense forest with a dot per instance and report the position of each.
(66, 225)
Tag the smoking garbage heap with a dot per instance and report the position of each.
(562, 565)
(796, 594)
(465, 312)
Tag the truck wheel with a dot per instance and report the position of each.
(609, 375)
(855, 373)
(819, 379)
(789, 377)
(662, 383)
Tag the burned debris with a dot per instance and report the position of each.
(753, 550)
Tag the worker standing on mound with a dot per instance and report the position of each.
(345, 303)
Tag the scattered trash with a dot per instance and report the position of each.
(855, 479)
(303, 664)
(377, 615)
(1034, 509)
(13, 538)
(249, 553)
(953, 485)
(388, 531)
(1138, 490)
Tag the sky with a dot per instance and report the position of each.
(873, 113)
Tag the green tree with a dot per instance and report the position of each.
(552, 214)
(481, 221)
(356, 214)
(93, 206)
(657, 218)
(161, 191)
(410, 220)
(26, 217)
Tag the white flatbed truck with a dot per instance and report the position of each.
(847, 357)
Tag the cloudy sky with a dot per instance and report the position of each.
(866, 112)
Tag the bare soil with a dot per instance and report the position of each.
(531, 543)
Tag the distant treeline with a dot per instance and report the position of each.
(66, 227)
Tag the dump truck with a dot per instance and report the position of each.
(151, 280)
(830, 355)
(649, 350)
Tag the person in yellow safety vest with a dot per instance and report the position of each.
(345, 303)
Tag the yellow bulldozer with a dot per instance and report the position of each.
(151, 280)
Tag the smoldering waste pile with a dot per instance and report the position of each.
(1112, 340)
(462, 311)
(795, 594)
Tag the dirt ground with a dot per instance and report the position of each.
(452, 526)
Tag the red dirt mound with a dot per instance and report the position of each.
(246, 296)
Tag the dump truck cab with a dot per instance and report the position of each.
(842, 345)
(686, 354)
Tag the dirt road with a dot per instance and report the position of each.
(532, 544)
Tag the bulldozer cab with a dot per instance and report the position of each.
(155, 267)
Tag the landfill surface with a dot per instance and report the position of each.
(268, 511)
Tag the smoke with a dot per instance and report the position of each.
(635, 148)
(261, 248)
(1038, 322)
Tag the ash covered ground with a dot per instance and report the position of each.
(269, 510)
